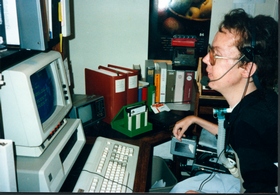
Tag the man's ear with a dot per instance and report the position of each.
(248, 69)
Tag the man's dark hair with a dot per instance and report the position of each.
(264, 32)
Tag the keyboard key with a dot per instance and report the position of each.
(115, 164)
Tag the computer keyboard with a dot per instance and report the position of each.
(110, 167)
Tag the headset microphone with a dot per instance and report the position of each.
(205, 80)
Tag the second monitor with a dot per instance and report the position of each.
(89, 108)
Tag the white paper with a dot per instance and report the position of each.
(159, 184)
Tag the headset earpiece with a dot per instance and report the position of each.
(249, 51)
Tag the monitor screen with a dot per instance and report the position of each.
(44, 92)
(184, 147)
(85, 113)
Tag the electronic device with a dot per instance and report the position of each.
(184, 52)
(35, 100)
(7, 166)
(207, 162)
(185, 148)
(39, 23)
(206, 159)
(184, 59)
(36, 19)
(251, 51)
(48, 172)
(102, 166)
(89, 108)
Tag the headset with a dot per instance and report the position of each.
(248, 52)
(251, 51)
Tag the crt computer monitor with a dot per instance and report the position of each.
(35, 100)
(89, 108)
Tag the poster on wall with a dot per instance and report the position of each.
(178, 18)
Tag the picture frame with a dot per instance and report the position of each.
(167, 20)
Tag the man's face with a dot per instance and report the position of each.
(221, 58)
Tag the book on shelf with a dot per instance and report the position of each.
(188, 85)
(151, 96)
(183, 90)
(172, 87)
(157, 82)
(179, 86)
(110, 85)
(131, 81)
(163, 75)
(137, 67)
(142, 91)
(150, 71)
(170, 84)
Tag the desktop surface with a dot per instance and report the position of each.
(145, 141)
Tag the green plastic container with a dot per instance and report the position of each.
(131, 125)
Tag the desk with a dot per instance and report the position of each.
(145, 141)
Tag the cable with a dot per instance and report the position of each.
(205, 80)
(247, 82)
(211, 176)
(108, 179)
(227, 70)
(227, 140)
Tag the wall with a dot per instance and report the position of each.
(253, 7)
(108, 31)
(116, 31)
